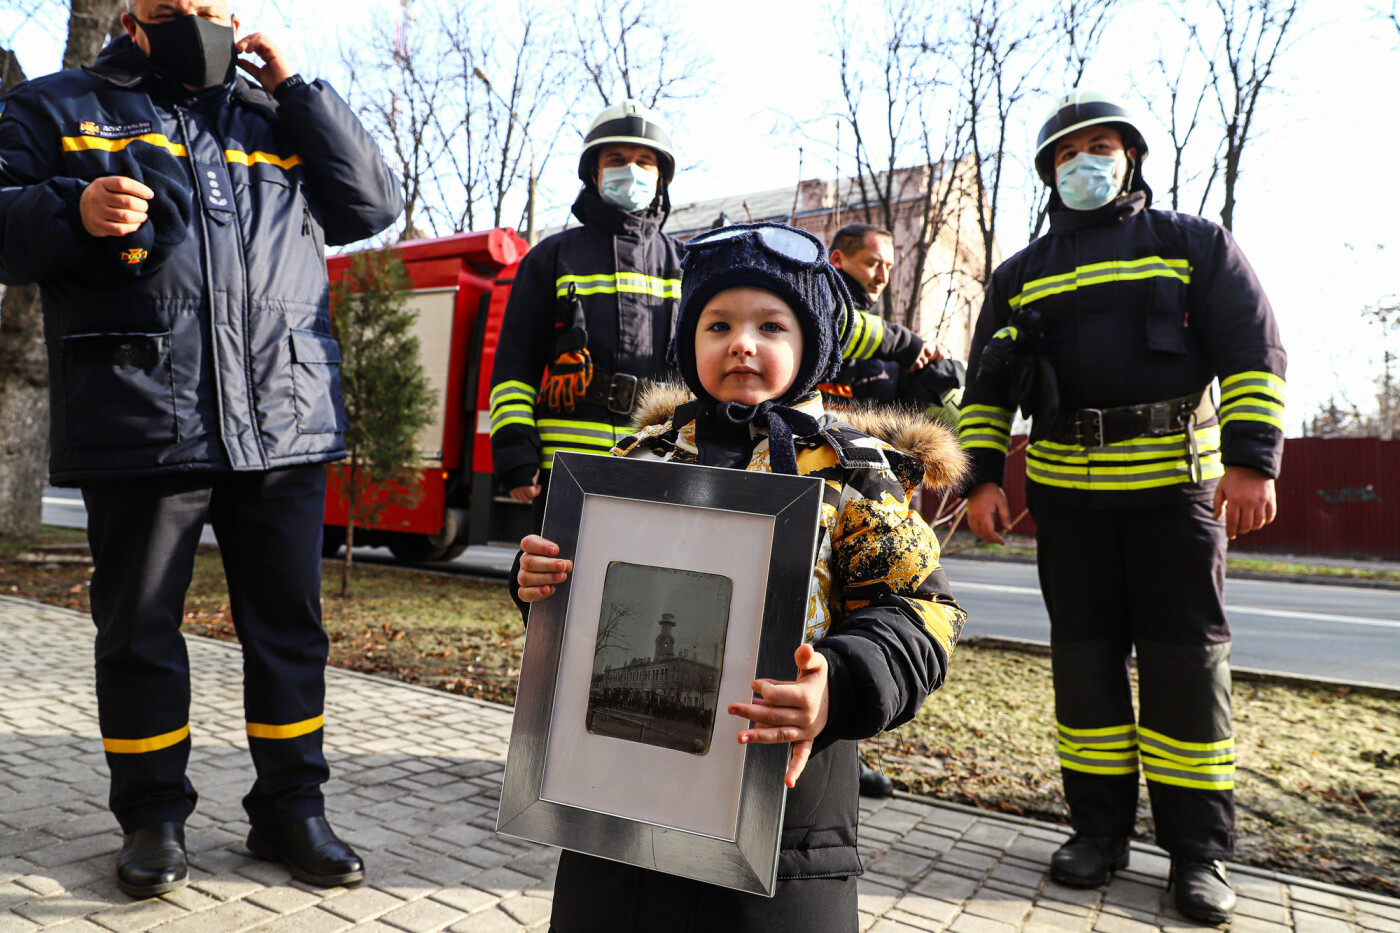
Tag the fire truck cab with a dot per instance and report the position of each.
(460, 287)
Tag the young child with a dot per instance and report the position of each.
(757, 331)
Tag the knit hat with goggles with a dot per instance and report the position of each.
(791, 264)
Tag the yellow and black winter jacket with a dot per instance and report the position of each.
(1135, 306)
(627, 274)
(880, 609)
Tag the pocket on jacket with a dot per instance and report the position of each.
(1166, 316)
(316, 383)
(118, 390)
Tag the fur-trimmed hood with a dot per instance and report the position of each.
(934, 446)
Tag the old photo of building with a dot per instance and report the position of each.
(659, 654)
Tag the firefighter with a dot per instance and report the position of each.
(591, 306)
(880, 351)
(1108, 333)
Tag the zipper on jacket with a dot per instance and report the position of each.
(305, 218)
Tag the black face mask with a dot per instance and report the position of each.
(191, 50)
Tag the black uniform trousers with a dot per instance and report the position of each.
(1151, 579)
(143, 534)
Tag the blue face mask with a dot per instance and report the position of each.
(629, 187)
(1088, 181)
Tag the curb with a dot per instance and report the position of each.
(1252, 674)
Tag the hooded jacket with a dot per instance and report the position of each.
(222, 358)
(880, 612)
(1134, 306)
(627, 275)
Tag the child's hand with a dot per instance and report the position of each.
(789, 711)
(540, 568)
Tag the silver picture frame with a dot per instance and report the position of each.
(714, 816)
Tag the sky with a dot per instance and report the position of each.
(1317, 202)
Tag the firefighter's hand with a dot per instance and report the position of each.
(789, 711)
(926, 355)
(541, 568)
(114, 205)
(526, 494)
(274, 69)
(987, 512)
(1246, 498)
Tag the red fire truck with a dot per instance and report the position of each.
(460, 286)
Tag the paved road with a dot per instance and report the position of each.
(1341, 632)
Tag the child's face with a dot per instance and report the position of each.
(748, 346)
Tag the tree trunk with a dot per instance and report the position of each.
(90, 22)
(24, 411)
(24, 389)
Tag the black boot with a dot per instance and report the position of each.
(874, 784)
(152, 861)
(1087, 861)
(1203, 891)
(310, 850)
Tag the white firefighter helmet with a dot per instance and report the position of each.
(1079, 109)
(627, 122)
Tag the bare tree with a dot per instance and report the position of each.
(890, 82)
(1076, 28)
(1253, 34)
(462, 145)
(1000, 56)
(1179, 102)
(24, 371)
(638, 49)
(611, 636)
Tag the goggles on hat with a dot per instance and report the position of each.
(783, 242)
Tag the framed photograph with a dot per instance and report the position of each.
(688, 583)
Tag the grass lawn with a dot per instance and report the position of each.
(1318, 786)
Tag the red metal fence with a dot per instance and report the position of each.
(1337, 497)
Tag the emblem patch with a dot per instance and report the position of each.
(134, 255)
(110, 131)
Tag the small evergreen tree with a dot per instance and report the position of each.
(387, 396)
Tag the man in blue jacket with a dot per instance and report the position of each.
(175, 218)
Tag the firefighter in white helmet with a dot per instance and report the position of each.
(1108, 333)
(590, 310)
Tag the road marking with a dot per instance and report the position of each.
(1241, 610)
(1311, 616)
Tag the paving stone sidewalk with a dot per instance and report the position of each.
(415, 783)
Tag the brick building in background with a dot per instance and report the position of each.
(934, 216)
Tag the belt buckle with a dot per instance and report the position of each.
(622, 393)
(1084, 437)
(1159, 418)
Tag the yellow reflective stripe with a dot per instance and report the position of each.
(512, 387)
(1202, 777)
(84, 143)
(259, 730)
(1263, 383)
(1090, 478)
(513, 419)
(985, 414)
(1099, 753)
(602, 427)
(1099, 273)
(1266, 419)
(239, 157)
(1190, 782)
(609, 284)
(1186, 746)
(874, 334)
(154, 744)
(1072, 765)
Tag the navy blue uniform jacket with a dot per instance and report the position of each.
(222, 359)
